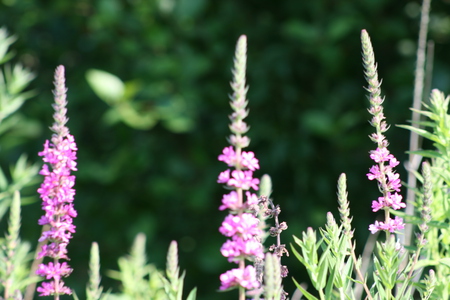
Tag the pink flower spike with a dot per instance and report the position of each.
(240, 226)
(57, 194)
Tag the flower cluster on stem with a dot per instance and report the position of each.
(269, 210)
(383, 170)
(57, 194)
(240, 225)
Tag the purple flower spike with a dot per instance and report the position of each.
(385, 162)
(240, 226)
(57, 194)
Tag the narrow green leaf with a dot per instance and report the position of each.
(445, 261)
(299, 256)
(192, 295)
(322, 270)
(304, 292)
(3, 181)
(422, 132)
(75, 297)
(426, 153)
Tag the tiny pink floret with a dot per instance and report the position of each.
(238, 277)
(243, 180)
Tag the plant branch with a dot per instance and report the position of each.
(414, 159)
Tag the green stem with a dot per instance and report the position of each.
(386, 218)
(241, 293)
(358, 272)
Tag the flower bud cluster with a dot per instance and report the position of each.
(273, 211)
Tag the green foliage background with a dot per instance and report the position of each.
(307, 113)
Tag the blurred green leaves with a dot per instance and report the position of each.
(14, 79)
(108, 87)
(5, 42)
(15, 256)
(119, 95)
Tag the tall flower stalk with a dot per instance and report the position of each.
(57, 194)
(383, 170)
(240, 225)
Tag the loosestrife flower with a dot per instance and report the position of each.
(57, 194)
(385, 162)
(240, 226)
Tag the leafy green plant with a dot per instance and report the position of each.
(140, 280)
(435, 128)
(15, 257)
(14, 79)
(331, 262)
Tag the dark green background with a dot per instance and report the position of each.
(307, 105)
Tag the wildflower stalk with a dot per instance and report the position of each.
(344, 211)
(172, 262)
(12, 241)
(240, 225)
(388, 180)
(436, 236)
(94, 289)
(57, 196)
(30, 289)
(173, 273)
(419, 75)
(425, 212)
(430, 284)
(272, 277)
(267, 209)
